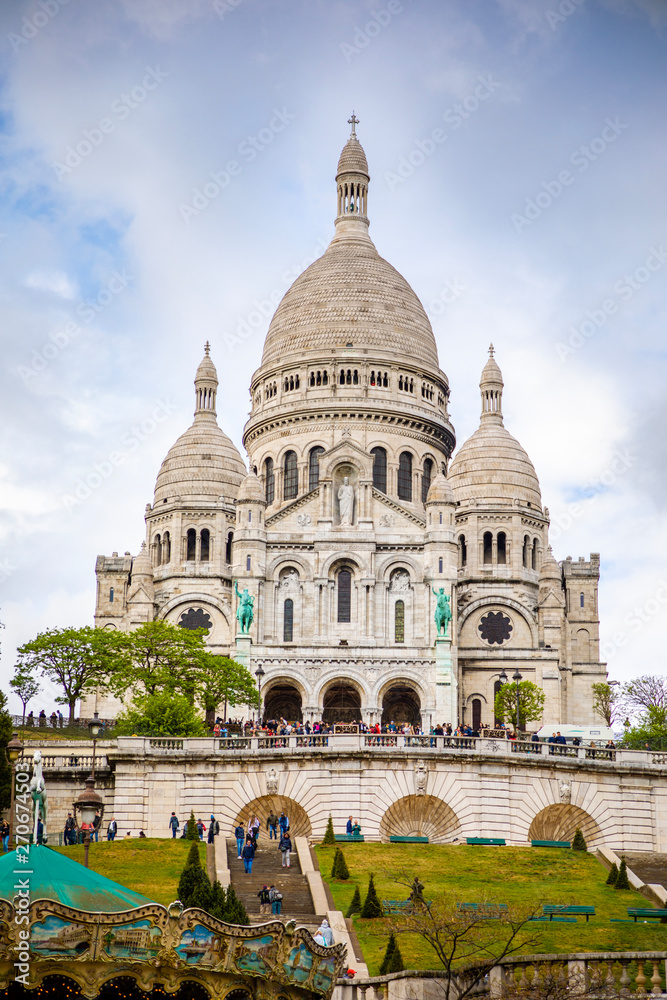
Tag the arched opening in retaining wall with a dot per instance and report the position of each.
(560, 822)
(401, 704)
(342, 703)
(299, 824)
(283, 701)
(420, 816)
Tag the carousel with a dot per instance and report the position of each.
(68, 932)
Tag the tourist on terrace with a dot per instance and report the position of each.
(239, 833)
(283, 823)
(348, 828)
(173, 824)
(112, 829)
(201, 829)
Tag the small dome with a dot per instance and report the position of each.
(440, 491)
(491, 372)
(352, 159)
(203, 465)
(251, 489)
(491, 466)
(550, 570)
(141, 564)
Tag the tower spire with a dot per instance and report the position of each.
(352, 179)
(491, 388)
(206, 386)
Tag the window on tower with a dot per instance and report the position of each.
(191, 544)
(205, 545)
(405, 477)
(502, 548)
(581, 599)
(379, 469)
(344, 595)
(269, 481)
(166, 547)
(288, 620)
(399, 621)
(426, 478)
(228, 547)
(488, 548)
(291, 476)
(463, 550)
(111, 595)
(526, 551)
(314, 467)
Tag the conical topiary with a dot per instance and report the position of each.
(193, 878)
(218, 901)
(612, 877)
(393, 960)
(355, 903)
(193, 833)
(235, 910)
(372, 906)
(329, 837)
(623, 882)
(579, 844)
(340, 870)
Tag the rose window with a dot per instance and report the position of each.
(195, 618)
(495, 628)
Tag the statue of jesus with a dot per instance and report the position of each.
(346, 501)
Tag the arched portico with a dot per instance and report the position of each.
(341, 702)
(561, 821)
(299, 824)
(420, 816)
(283, 700)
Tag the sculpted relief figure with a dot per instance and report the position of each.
(565, 789)
(346, 501)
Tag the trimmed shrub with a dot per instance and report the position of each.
(579, 844)
(393, 960)
(329, 837)
(340, 870)
(193, 878)
(355, 903)
(235, 910)
(372, 906)
(623, 882)
(192, 832)
(612, 877)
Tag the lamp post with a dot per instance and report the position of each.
(86, 806)
(517, 678)
(94, 727)
(14, 749)
(502, 678)
(259, 673)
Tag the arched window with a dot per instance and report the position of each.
(288, 620)
(291, 482)
(526, 551)
(250, 517)
(191, 552)
(496, 688)
(476, 714)
(533, 555)
(158, 550)
(463, 549)
(426, 478)
(581, 599)
(405, 477)
(228, 547)
(399, 621)
(502, 548)
(166, 547)
(269, 481)
(440, 565)
(344, 595)
(111, 596)
(379, 469)
(314, 467)
(248, 563)
(488, 548)
(205, 545)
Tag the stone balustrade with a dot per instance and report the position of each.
(65, 762)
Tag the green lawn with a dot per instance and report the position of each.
(151, 867)
(512, 875)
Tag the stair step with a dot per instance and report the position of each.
(267, 870)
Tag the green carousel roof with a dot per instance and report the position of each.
(54, 876)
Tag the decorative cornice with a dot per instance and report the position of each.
(399, 508)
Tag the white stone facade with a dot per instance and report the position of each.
(353, 515)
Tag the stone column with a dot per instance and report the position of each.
(243, 644)
(446, 695)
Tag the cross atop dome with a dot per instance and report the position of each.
(353, 121)
(491, 350)
(207, 349)
(491, 387)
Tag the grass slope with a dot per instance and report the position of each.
(151, 867)
(512, 875)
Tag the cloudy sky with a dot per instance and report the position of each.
(167, 170)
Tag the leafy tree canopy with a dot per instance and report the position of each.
(607, 702)
(164, 714)
(649, 732)
(531, 703)
(25, 685)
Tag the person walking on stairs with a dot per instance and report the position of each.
(248, 856)
(272, 825)
(285, 846)
(276, 898)
(239, 833)
(284, 823)
(264, 900)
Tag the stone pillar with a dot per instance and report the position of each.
(446, 696)
(243, 644)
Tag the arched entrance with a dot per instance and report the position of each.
(263, 806)
(420, 816)
(342, 703)
(283, 701)
(401, 705)
(560, 822)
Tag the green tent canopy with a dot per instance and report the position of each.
(55, 876)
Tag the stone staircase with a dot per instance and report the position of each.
(267, 870)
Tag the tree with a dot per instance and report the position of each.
(340, 870)
(75, 659)
(192, 831)
(607, 702)
(623, 882)
(162, 714)
(25, 685)
(393, 960)
(235, 912)
(612, 877)
(650, 731)
(531, 703)
(220, 679)
(579, 843)
(355, 903)
(192, 877)
(646, 692)
(6, 726)
(467, 943)
(158, 656)
(195, 890)
(372, 906)
(329, 837)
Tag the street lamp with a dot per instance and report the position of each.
(259, 673)
(94, 728)
(88, 804)
(517, 678)
(14, 750)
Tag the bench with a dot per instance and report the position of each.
(486, 841)
(555, 920)
(408, 840)
(349, 838)
(568, 911)
(399, 905)
(550, 843)
(489, 911)
(648, 914)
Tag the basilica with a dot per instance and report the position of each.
(355, 513)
